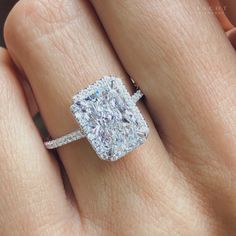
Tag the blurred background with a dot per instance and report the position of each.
(5, 7)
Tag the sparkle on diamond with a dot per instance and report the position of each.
(110, 119)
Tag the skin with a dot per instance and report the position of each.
(181, 181)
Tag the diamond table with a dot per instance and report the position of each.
(109, 118)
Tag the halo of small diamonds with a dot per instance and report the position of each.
(109, 118)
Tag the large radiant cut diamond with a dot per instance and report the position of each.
(109, 118)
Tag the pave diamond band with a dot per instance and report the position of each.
(66, 139)
(108, 118)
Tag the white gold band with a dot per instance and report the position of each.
(76, 135)
(68, 138)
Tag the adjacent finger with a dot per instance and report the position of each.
(188, 77)
(33, 200)
(185, 65)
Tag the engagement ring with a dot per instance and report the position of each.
(108, 117)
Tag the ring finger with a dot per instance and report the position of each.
(63, 49)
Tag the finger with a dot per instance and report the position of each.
(186, 67)
(62, 50)
(33, 200)
(184, 73)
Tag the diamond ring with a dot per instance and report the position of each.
(108, 117)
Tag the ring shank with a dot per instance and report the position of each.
(68, 138)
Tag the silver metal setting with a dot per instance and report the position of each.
(108, 118)
(68, 138)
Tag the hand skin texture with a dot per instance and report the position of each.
(182, 181)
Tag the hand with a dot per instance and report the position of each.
(181, 181)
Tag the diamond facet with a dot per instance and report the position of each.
(109, 118)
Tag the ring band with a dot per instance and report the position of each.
(76, 135)
(108, 118)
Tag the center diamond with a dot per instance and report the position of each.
(109, 118)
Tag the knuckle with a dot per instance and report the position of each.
(19, 21)
(31, 19)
